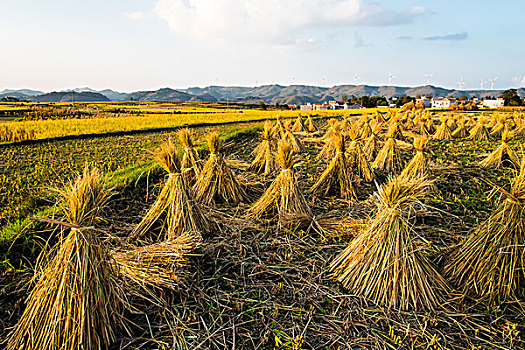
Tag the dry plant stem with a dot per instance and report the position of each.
(159, 265)
(217, 182)
(310, 124)
(265, 161)
(461, 131)
(503, 152)
(388, 159)
(76, 302)
(190, 163)
(284, 196)
(174, 211)
(298, 125)
(490, 262)
(443, 131)
(358, 161)
(337, 175)
(384, 263)
(479, 133)
(297, 145)
(417, 167)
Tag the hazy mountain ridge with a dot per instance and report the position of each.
(291, 94)
(67, 96)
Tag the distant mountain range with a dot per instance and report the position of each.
(271, 94)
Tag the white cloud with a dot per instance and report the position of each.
(135, 15)
(272, 21)
(519, 81)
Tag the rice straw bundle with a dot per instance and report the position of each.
(429, 125)
(279, 126)
(284, 195)
(298, 125)
(452, 122)
(174, 212)
(159, 265)
(417, 167)
(519, 131)
(217, 181)
(338, 174)
(461, 131)
(443, 131)
(493, 121)
(479, 132)
(371, 144)
(385, 263)
(409, 121)
(366, 131)
(490, 262)
(265, 161)
(497, 130)
(328, 150)
(394, 131)
(310, 124)
(389, 158)
(501, 154)
(357, 157)
(297, 145)
(77, 301)
(190, 163)
(380, 118)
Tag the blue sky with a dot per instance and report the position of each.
(147, 44)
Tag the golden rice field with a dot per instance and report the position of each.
(45, 129)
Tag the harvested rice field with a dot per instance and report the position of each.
(401, 230)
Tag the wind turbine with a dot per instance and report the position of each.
(428, 76)
(355, 78)
(482, 83)
(492, 82)
(390, 77)
(460, 83)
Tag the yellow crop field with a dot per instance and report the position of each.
(52, 128)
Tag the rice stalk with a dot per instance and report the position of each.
(388, 158)
(298, 125)
(190, 163)
(310, 125)
(490, 262)
(76, 302)
(174, 212)
(479, 132)
(297, 145)
(217, 182)
(328, 150)
(158, 265)
(386, 262)
(265, 161)
(461, 131)
(357, 157)
(443, 131)
(503, 153)
(284, 196)
(417, 167)
(338, 174)
(371, 144)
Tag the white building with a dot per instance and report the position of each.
(426, 101)
(442, 102)
(306, 107)
(329, 105)
(494, 103)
